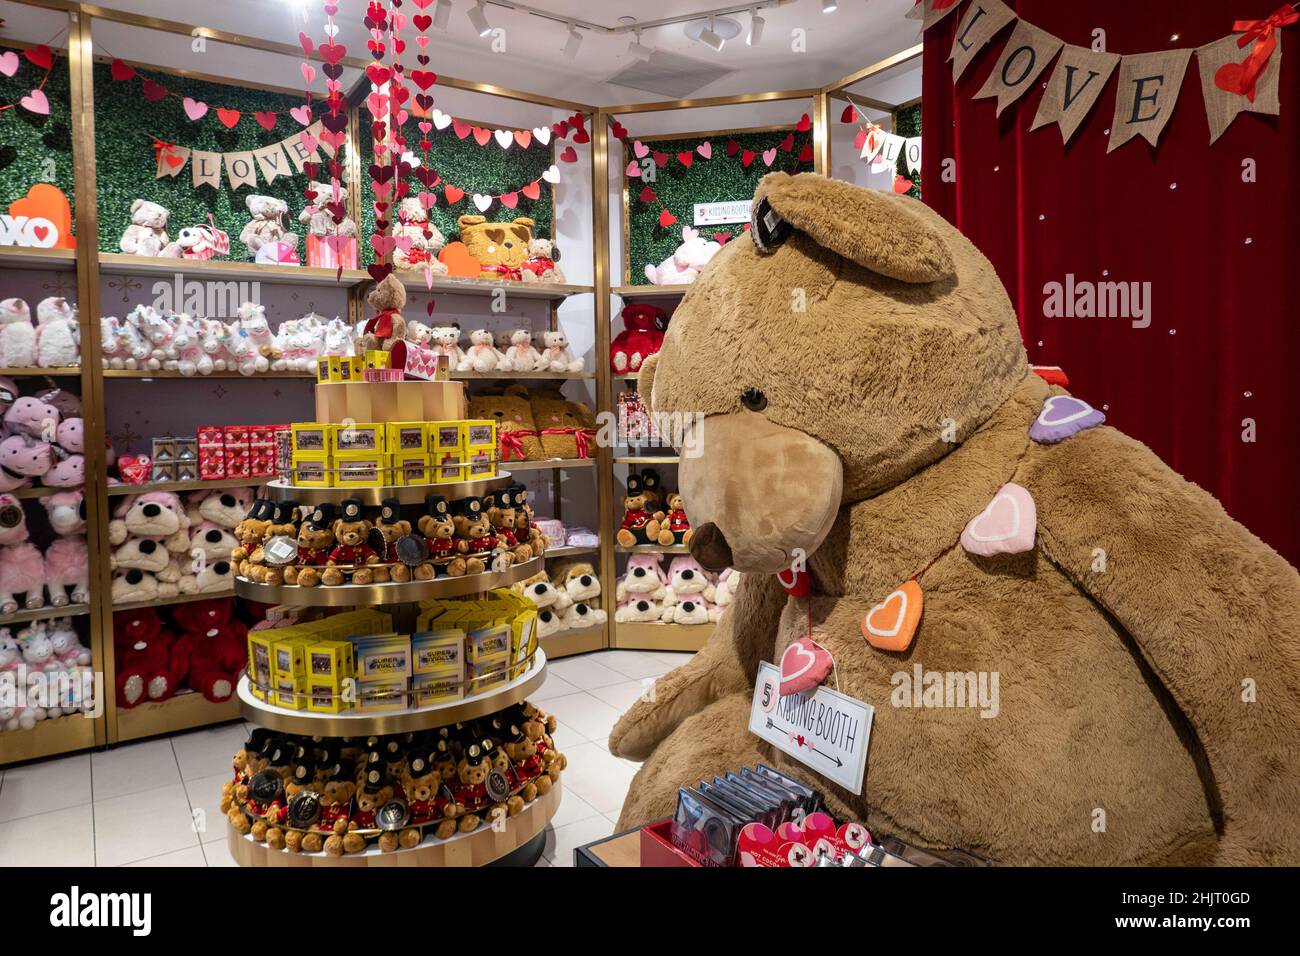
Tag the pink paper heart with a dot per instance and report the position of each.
(9, 63)
(426, 127)
(382, 189)
(377, 103)
(402, 117)
(769, 156)
(308, 72)
(308, 141)
(403, 243)
(640, 149)
(332, 139)
(634, 169)
(427, 200)
(302, 114)
(428, 278)
(382, 244)
(194, 109)
(1005, 526)
(333, 86)
(35, 102)
(304, 41)
(705, 149)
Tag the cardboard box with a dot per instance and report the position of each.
(488, 643)
(291, 692)
(449, 466)
(326, 697)
(358, 438)
(479, 435)
(438, 652)
(390, 402)
(382, 695)
(314, 470)
(312, 438)
(481, 464)
(162, 471)
(376, 359)
(430, 689)
(382, 657)
(446, 437)
(412, 469)
(487, 675)
(408, 437)
(361, 471)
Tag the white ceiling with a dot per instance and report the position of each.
(857, 34)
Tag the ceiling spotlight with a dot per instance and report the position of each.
(441, 14)
(573, 42)
(639, 49)
(478, 17)
(830, 6)
(710, 37)
(755, 28)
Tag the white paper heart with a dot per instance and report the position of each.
(482, 202)
(552, 175)
(331, 29)
(440, 119)
(504, 138)
(542, 134)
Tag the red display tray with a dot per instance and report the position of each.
(657, 847)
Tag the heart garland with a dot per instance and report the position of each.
(386, 104)
(430, 179)
(35, 101)
(334, 121)
(194, 110)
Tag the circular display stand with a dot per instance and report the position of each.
(517, 840)
(281, 490)
(393, 592)
(407, 720)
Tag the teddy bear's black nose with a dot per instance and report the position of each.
(228, 501)
(214, 536)
(709, 547)
(687, 574)
(148, 547)
(585, 580)
(151, 511)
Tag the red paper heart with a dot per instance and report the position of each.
(380, 271)
(332, 52)
(860, 139)
(153, 92)
(121, 71)
(424, 78)
(453, 195)
(746, 157)
(481, 135)
(618, 131)
(648, 195)
(661, 159)
(570, 155)
(686, 159)
(461, 129)
(850, 115)
(265, 120)
(902, 184)
(509, 200)
(581, 136)
(422, 21)
(721, 238)
(804, 124)
(532, 190)
(806, 154)
(228, 117)
(787, 144)
(666, 218)
(524, 138)
(378, 74)
(40, 55)
(732, 147)
(1231, 78)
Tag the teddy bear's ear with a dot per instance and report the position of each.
(524, 221)
(465, 221)
(878, 230)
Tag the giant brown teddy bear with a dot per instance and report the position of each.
(1150, 701)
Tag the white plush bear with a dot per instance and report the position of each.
(147, 234)
(481, 356)
(446, 341)
(17, 335)
(521, 356)
(267, 225)
(686, 262)
(318, 221)
(412, 221)
(556, 356)
(58, 334)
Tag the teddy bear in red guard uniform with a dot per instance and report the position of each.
(212, 651)
(642, 336)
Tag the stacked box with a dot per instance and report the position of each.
(447, 446)
(212, 452)
(479, 435)
(407, 438)
(262, 443)
(358, 438)
(340, 368)
(312, 461)
(448, 466)
(412, 468)
(260, 655)
(239, 451)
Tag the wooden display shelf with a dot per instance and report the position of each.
(578, 641)
(521, 376)
(38, 491)
(646, 636)
(178, 599)
(564, 551)
(119, 263)
(184, 711)
(56, 371)
(119, 490)
(135, 373)
(278, 489)
(653, 549)
(44, 614)
(549, 463)
(647, 459)
(650, 291)
(485, 845)
(60, 735)
(25, 257)
(444, 285)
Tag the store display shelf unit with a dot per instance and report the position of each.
(34, 371)
(34, 259)
(22, 616)
(576, 641)
(277, 489)
(650, 291)
(551, 463)
(117, 491)
(408, 720)
(647, 459)
(146, 375)
(649, 636)
(653, 549)
(565, 551)
(184, 711)
(59, 735)
(135, 373)
(381, 595)
(518, 841)
(174, 600)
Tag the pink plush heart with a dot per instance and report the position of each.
(640, 149)
(769, 156)
(634, 170)
(194, 109)
(35, 102)
(1005, 526)
(705, 149)
(302, 114)
(804, 665)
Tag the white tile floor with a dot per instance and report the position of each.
(154, 803)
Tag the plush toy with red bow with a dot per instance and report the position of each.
(144, 657)
(211, 652)
(642, 336)
(386, 327)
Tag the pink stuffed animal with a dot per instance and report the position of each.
(686, 262)
(155, 514)
(644, 578)
(22, 572)
(31, 416)
(21, 460)
(688, 580)
(66, 561)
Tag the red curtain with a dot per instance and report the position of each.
(1220, 254)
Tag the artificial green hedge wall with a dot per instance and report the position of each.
(908, 123)
(28, 141)
(126, 125)
(475, 169)
(720, 179)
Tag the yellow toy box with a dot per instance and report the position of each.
(479, 434)
(313, 469)
(449, 466)
(438, 652)
(382, 695)
(487, 675)
(312, 438)
(431, 689)
(488, 643)
(412, 468)
(445, 436)
(291, 692)
(362, 469)
(367, 438)
(412, 437)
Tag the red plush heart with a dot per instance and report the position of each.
(229, 118)
(661, 159)
(804, 124)
(666, 218)
(265, 120)
(532, 190)
(570, 155)
(40, 55)
(453, 194)
(121, 71)
(1231, 78)
(648, 195)
(686, 159)
(804, 665)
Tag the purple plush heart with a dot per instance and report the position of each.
(1061, 417)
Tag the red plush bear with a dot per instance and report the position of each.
(212, 651)
(642, 336)
(144, 657)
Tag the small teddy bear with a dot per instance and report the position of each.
(267, 224)
(425, 241)
(319, 221)
(147, 234)
(540, 266)
(386, 327)
(481, 356)
(500, 248)
(315, 543)
(556, 356)
(391, 527)
(351, 548)
(58, 333)
(439, 531)
(638, 525)
(521, 356)
(474, 537)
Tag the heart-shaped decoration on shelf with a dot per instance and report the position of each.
(686, 159)
(504, 137)
(380, 271)
(441, 120)
(542, 134)
(377, 104)
(194, 109)
(648, 195)
(732, 147)
(532, 190)
(382, 245)
(1061, 417)
(153, 92)
(705, 149)
(134, 469)
(804, 124)
(804, 665)
(510, 200)
(427, 199)
(570, 155)
(306, 43)
(228, 117)
(453, 195)
(850, 115)
(891, 624)
(40, 55)
(806, 154)
(333, 53)
(308, 141)
(860, 139)
(633, 170)
(666, 218)
(119, 70)
(378, 75)
(661, 159)
(308, 72)
(618, 130)
(787, 144)
(769, 156)
(640, 150)
(482, 136)
(265, 120)
(482, 202)
(746, 157)
(902, 185)
(581, 136)
(333, 139)
(1005, 526)
(523, 137)
(552, 174)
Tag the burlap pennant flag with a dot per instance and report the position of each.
(205, 168)
(241, 169)
(912, 154)
(1146, 96)
(171, 160)
(272, 162)
(1025, 56)
(1223, 106)
(1076, 83)
(301, 147)
(979, 24)
(931, 12)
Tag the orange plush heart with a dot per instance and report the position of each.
(44, 201)
(455, 256)
(891, 624)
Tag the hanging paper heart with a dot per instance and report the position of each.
(570, 155)
(787, 144)
(377, 103)
(119, 70)
(482, 202)
(382, 245)
(40, 55)
(686, 159)
(746, 157)
(308, 141)
(618, 130)
(850, 115)
(331, 30)
(153, 92)
(705, 149)
(1005, 526)
(265, 120)
(542, 134)
(902, 185)
(560, 129)
(424, 78)
(666, 218)
(552, 174)
(769, 156)
(640, 149)
(510, 200)
(732, 147)
(1061, 417)
(505, 139)
(334, 52)
(194, 109)
(36, 102)
(380, 271)
(633, 170)
(425, 127)
(378, 75)
(581, 136)
(891, 624)
(453, 195)
(804, 124)
(806, 154)
(661, 159)
(523, 137)
(859, 139)
(804, 665)
(302, 114)
(305, 42)
(422, 21)
(308, 72)
(481, 135)
(796, 581)
(228, 117)
(648, 195)
(441, 120)
(333, 139)
(399, 20)
(532, 190)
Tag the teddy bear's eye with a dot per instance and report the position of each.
(753, 399)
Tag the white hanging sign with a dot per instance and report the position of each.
(719, 213)
(912, 154)
(825, 730)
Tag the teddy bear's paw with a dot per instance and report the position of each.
(159, 686)
(133, 689)
(219, 689)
